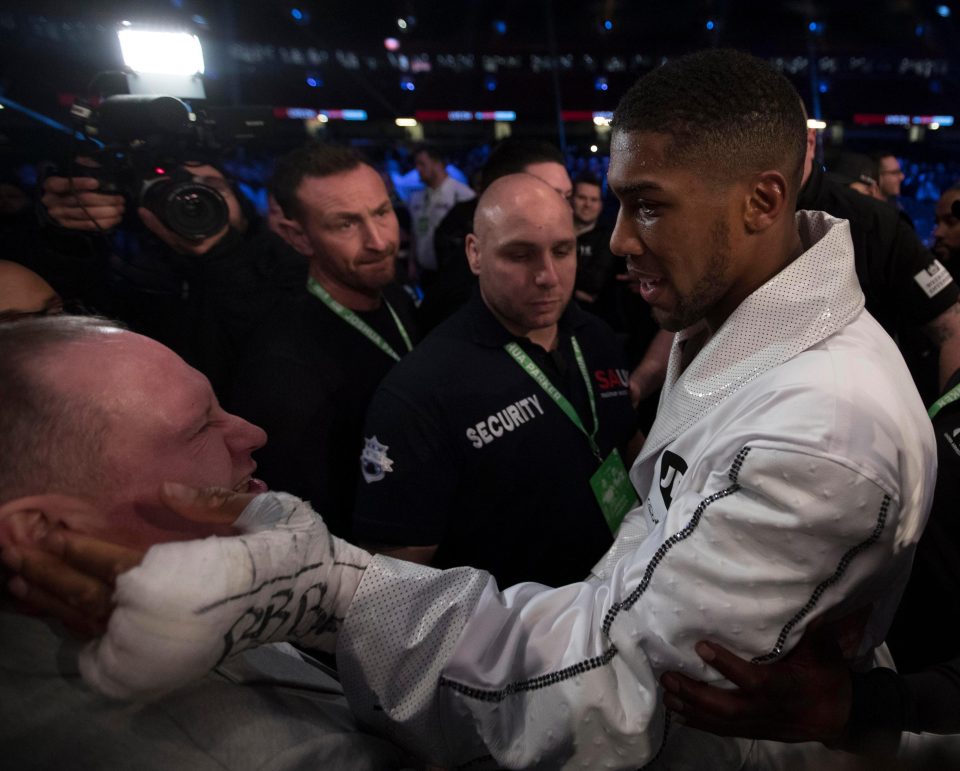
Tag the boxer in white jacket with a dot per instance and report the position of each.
(787, 478)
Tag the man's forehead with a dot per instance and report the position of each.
(348, 191)
(528, 227)
(641, 161)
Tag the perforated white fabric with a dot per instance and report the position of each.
(438, 603)
(772, 325)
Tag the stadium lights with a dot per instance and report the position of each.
(162, 62)
(406, 122)
(162, 53)
(819, 125)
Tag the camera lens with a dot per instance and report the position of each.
(189, 209)
(195, 211)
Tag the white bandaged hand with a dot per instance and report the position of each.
(190, 605)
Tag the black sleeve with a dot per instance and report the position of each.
(935, 695)
(885, 703)
(408, 475)
(928, 288)
(878, 712)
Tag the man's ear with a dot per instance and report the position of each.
(766, 202)
(293, 233)
(29, 519)
(472, 247)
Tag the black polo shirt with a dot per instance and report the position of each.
(901, 282)
(464, 450)
(307, 379)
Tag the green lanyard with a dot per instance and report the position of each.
(531, 368)
(359, 324)
(948, 398)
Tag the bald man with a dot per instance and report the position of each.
(24, 293)
(497, 442)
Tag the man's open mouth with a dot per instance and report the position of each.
(251, 485)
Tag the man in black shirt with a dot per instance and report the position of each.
(310, 372)
(495, 443)
(594, 259)
(905, 287)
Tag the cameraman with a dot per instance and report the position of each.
(201, 297)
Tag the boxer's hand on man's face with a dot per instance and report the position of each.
(71, 576)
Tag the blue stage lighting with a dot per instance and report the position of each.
(297, 14)
(944, 11)
(600, 84)
(608, 25)
(710, 25)
(490, 83)
(500, 27)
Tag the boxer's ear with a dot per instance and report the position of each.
(29, 519)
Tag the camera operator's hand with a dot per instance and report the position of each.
(73, 203)
(212, 177)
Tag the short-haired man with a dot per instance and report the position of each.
(905, 288)
(946, 233)
(456, 283)
(93, 420)
(429, 206)
(309, 373)
(889, 176)
(443, 483)
(787, 478)
(594, 259)
(858, 172)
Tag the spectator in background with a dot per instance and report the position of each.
(201, 296)
(428, 207)
(946, 233)
(889, 176)
(595, 262)
(309, 372)
(858, 172)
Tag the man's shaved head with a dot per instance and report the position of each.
(506, 194)
(523, 251)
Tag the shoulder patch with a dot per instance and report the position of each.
(933, 278)
(374, 463)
